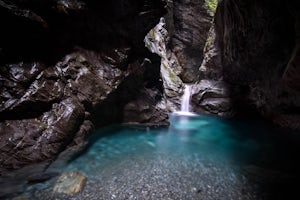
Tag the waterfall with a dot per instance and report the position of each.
(185, 102)
(184, 120)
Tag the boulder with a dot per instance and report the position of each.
(70, 183)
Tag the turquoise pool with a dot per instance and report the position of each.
(217, 159)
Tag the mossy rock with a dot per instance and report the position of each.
(152, 33)
(173, 77)
(211, 5)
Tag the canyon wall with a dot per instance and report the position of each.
(257, 45)
(67, 67)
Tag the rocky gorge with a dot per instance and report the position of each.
(69, 66)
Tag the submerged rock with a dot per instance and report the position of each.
(70, 183)
(21, 197)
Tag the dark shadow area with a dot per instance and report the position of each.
(274, 165)
(47, 31)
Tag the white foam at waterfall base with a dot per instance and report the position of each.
(184, 119)
(184, 113)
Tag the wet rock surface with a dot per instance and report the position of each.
(188, 26)
(257, 66)
(156, 41)
(64, 66)
(212, 97)
(211, 94)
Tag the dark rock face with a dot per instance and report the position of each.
(291, 75)
(211, 93)
(256, 40)
(67, 66)
(188, 28)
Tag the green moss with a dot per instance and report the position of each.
(209, 42)
(171, 74)
(151, 33)
(212, 5)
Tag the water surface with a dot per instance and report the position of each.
(219, 159)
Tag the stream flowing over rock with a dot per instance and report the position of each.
(67, 67)
(241, 61)
(180, 43)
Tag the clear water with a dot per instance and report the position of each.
(236, 142)
(220, 159)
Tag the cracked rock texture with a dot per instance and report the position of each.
(253, 54)
(188, 24)
(67, 66)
